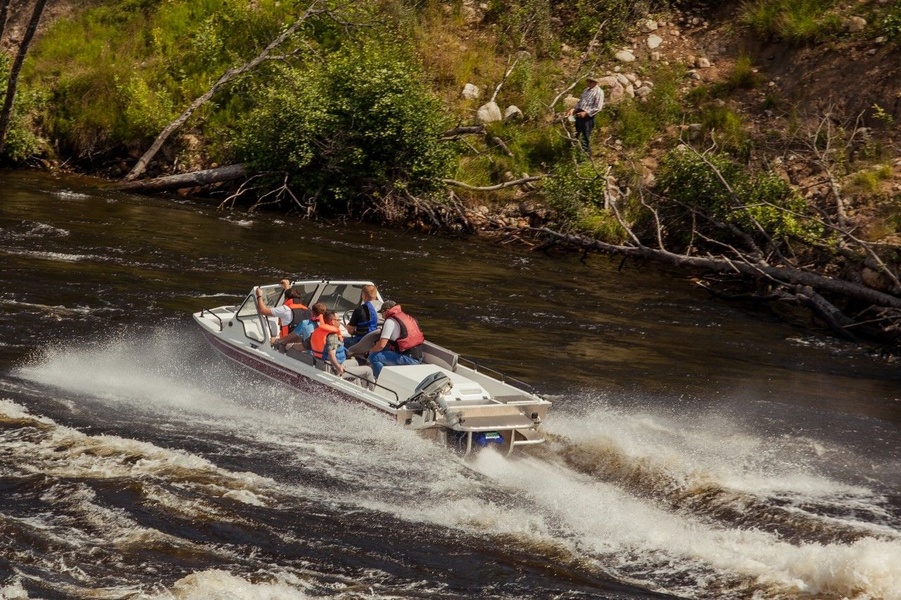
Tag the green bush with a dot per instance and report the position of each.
(362, 124)
(765, 200)
(20, 142)
(891, 22)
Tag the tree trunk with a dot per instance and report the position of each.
(185, 180)
(4, 13)
(6, 114)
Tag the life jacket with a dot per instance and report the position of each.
(410, 334)
(372, 320)
(300, 311)
(317, 342)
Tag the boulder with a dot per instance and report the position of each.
(512, 112)
(471, 92)
(489, 112)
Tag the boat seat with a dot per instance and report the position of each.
(302, 355)
(433, 354)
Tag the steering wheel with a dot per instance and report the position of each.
(347, 315)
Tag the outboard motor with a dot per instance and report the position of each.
(430, 393)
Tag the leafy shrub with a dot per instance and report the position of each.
(20, 142)
(575, 193)
(362, 124)
(891, 22)
(765, 200)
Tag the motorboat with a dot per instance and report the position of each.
(446, 397)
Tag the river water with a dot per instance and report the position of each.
(696, 449)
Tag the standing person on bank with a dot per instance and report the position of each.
(590, 103)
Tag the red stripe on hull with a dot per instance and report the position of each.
(294, 379)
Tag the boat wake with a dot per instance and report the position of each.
(215, 477)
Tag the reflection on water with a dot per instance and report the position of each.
(695, 449)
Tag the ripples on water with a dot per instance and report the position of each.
(254, 487)
(691, 452)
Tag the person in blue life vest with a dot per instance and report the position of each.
(303, 331)
(400, 342)
(590, 103)
(365, 318)
(327, 344)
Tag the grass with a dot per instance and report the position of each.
(794, 21)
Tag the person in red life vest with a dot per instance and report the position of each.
(400, 342)
(327, 344)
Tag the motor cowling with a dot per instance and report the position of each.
(430, 393)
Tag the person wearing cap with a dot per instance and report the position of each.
(590, 103)
(400, 342)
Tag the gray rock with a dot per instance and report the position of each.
(856, 24)
(649, 25)
(608, 81)
(489, 112)
(471, 92)
(625, 56)
(654, 41)
(512, 112)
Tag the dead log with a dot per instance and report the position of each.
(491, 188)
(463, 130)
(185, 180)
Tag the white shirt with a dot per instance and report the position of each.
(284, 313)
(390, 330)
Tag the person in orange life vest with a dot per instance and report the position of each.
(303, 331)
(365, 318)
(400, 341)
(328, 345)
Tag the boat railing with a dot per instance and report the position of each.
(497, 374)
(206, 311)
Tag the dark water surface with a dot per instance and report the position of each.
(696, 450)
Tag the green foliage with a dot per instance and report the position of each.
(743, 75)
(364, 123)
(637, 123)
(868, 180)
(20, 142)
(747, 202)
(891, 22)
(118, 71)
(794, 21)
(575, 192)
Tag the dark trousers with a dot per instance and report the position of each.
(583, 132)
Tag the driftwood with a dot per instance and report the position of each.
(465, 130)
(185, 180)
(491, 188)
